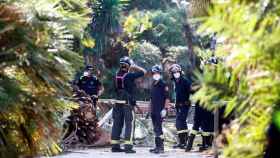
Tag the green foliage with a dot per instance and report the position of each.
(179, 55)
(36, 64)
(161, 28)
(105, 23)
(248, 78)
(149, 4)
(146, 55)
(168, 27)
(136, 23)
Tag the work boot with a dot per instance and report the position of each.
(128, 149)
(116, 148)
(156, 145)
(159, 146)
(190, 142)
(210, 140)
(204, 144)
(182, 141)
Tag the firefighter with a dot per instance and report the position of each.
(90, 84)
(182, 103)
(203, 120)
(123, 111)
(158, 106)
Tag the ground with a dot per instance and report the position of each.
(142, 152)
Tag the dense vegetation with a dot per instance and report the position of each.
(43, 42)
(36, 63)
(247, 79)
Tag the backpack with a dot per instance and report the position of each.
(120, 80)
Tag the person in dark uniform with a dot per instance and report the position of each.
(203, 119)
(182, 104)
(90, 84)
(123, 111)
(159, 104)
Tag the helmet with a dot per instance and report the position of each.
(175, 68)
(125, 60)
(89, 67)
(156, 69)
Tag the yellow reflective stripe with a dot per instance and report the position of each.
(115, 142)
(182, 131)
(128, 142)
(194, 132)
(206, 133)
(132, 127)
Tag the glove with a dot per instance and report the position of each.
(131, 62)
(163, 113)
(147, 115)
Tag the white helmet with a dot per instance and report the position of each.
(175, 68)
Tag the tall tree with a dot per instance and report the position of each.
(105, 27)
(36, 63)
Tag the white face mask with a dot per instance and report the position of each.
(177, 75)
(156, 77)
(86, 73)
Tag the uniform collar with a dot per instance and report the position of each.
(157, 82)
(178, 80)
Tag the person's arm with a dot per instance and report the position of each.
(137, 69)
(167, 96)
(101, 90)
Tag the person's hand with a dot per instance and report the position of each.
(131, 62)
(168, 105)
(163, 113)
(94, 96)
(137, 109)
(147, 115)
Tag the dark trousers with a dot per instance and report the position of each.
(123, 114)
(181, 118)
(157, 124)
(203, 119)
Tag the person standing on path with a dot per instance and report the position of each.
(205, 120)
(90, 84)
(123, 111)
(182, 103)
(159, 104)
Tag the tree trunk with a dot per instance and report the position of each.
(191, 54)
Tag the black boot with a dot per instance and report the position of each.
(186, 138)
(156, 143)
(204, 143)
(159, 146)
(190, 142)
(210, 140)
(182, 141)
(116, 148)
(128, 149)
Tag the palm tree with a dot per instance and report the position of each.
(36, 63)
(104, 28)
(192, 9)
